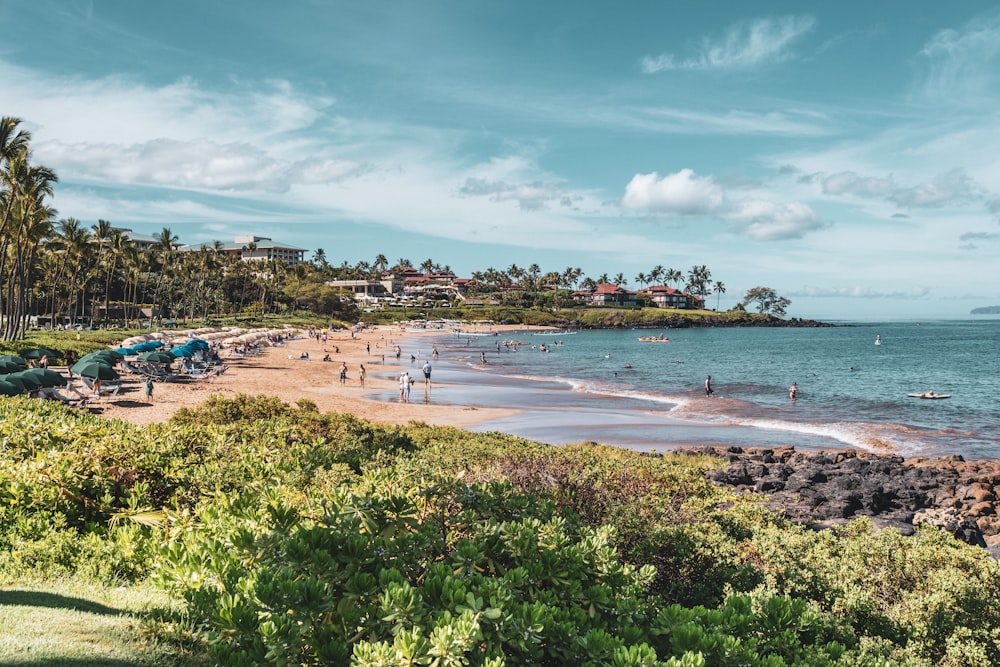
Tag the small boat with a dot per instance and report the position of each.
(928, 394)
(654, 339)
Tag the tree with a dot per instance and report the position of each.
(767, 301)
(719, 288)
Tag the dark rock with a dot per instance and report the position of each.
(828, 488)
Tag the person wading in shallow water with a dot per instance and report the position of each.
(708, 386)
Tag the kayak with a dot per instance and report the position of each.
(929, 395)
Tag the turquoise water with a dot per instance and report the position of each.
(852, 392)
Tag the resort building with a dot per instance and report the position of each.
(667, 297)
(253, 249)
(605, 294)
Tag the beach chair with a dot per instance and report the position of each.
(107, 388)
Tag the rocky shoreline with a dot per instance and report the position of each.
(828, 488)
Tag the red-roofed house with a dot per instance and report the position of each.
(668, 297)
(605, 294)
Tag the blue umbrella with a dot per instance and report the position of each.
(182, 351)
(197, 344)
(148, 345)
(126, 351)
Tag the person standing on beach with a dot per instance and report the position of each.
(427, 373)
(343, 373)
(361, 374)
(708, 387)
(149, 390)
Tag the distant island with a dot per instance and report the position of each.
(987, 310)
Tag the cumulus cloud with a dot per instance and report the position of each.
(682, 193)
(860, 293)
(529, 196)
(763, 220)
(744, 45)
(953, 187)
(685, 194)
(847, 182)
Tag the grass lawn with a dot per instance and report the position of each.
(86, 625)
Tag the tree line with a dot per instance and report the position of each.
(61, 269)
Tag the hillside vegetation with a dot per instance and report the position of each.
(283, 536)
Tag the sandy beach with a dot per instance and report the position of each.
(279, 371)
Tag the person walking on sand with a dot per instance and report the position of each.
(427, 373)
(343, 373)
(708, 387)
(404, 387)
(149, 390)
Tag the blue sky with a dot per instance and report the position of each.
(844, 154)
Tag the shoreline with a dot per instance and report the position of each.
(278, 371)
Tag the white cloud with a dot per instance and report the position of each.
(763, 220)
(953, 187)
(860, 293)
(685, 194)
(962, 64)
(847, 182)
(743, 46)
(682, 193)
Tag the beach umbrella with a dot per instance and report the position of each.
(157, 357)
(30, 383)
(46, 376)
(126, 351)
(16, 381)
(92, 368)
(39, 352)
(181, 351)
(148, 345)
(197, 344)
(10, 367)
(109, 357)
(14, 359)
(9, 389)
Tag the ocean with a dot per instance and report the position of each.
(608, 386)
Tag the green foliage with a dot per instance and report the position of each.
(302, 537)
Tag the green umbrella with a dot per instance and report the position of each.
(30, 383)
(92, 368)
(157, 357)
(9, 389)
(47, 377)
(39, 352)
(15, 381)
(10, 367)
(109, 356)
(14, 359)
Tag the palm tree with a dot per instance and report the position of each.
(673, 276)
(656, 274)
(642, 279)
(719, 288)
(166, 243)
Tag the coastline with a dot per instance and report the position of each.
(801, 481)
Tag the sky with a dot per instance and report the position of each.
(843, 154)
